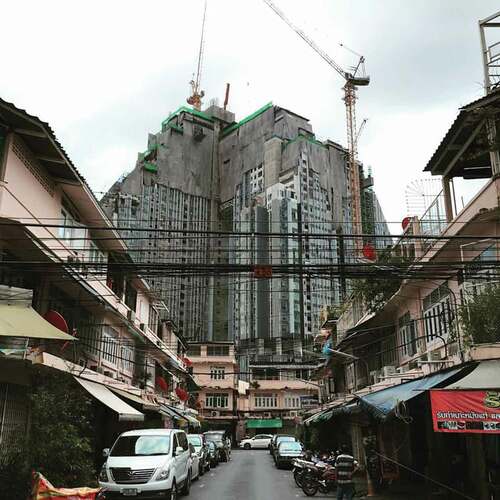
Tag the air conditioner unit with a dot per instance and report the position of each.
(267, 414)
(436, 355)
(294, 413)
(402, 369)
(99, 369)
(215, 413)
(131, 315)
(107, 373)
(388, 370)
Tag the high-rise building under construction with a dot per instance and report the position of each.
(265, 174)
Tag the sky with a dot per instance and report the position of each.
(106, 73)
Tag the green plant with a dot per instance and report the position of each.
(14, 472)
(60, 443)
(375, 292)
(480, 317)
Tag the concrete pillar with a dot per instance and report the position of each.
(272, 161)
(448, 205)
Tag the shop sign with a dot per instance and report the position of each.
(466, 411)
(308, 402)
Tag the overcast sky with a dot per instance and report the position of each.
(104, 73)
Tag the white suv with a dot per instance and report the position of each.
(147, 463)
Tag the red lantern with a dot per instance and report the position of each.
(405, 223)
(187, 362)
(369, 252)
(181, 394)
(162, 384)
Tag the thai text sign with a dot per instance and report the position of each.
(466, 411)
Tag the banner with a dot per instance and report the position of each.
(466, 411)
(43, 490)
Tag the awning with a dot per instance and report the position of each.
(112, 401)
(24, 321)
(382, 403)
(180, 414)
(265, 423)
(147, 405)
(485, 376)
(320, 416)
(169, 412)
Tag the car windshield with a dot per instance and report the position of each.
(211, 445)
(195, 441)
(213, 437)
(134, 446)
(290, 446)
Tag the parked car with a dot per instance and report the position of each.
(201, 448)
(213, 453)
(222, 442)
(286, 452)
(195, 463)
(277, 439)
(153, 462)
(261, 441)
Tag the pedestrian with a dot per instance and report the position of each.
(345, 466)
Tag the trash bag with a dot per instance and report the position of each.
(43, 490)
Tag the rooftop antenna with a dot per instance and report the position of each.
(196, 93)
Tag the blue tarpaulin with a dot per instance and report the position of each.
(382, 403)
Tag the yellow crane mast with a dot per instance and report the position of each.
(196, 93)
(352, 81)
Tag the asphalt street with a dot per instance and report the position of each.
(250, 475)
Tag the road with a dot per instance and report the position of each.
(250, 475)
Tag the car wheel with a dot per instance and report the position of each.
(246, 446)
(173, 492)
(187, 485)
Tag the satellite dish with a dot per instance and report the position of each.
(57, 320)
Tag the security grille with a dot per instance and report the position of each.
(125, 475)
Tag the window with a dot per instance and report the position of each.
(264, 400)
(194, 350)
(438, 313)
(217, 373)
(128, 358)
(292, 401)
(407, 335)
(218, 350)
(109, 343)
(182, 440)
(66, 220)
(153, 319)
(216, 400)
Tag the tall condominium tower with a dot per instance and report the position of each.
(267, 174)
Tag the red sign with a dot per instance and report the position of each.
(263, 272)
(466, 411)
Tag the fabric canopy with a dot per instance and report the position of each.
(320, 416)
(24, 321)
(180, 414)
(112, 401)
(167, 410)
(485, 376)
(382, 403)
(265, 423)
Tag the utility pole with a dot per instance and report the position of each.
(341, 260)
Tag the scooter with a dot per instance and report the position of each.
(322, 477)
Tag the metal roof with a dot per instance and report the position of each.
(41, 140)
(464, 150)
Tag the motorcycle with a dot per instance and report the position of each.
(321, 477)
(301, 466)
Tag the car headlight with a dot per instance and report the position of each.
(103, 475)
(164, 473)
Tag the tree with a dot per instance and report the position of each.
(60, 443)
(480, 316)
(375, 292)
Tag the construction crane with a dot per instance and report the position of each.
(196, 93)
(352, 81)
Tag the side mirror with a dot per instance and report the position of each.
(105, 452)
(179, 450)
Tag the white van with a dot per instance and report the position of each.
(147, 463)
